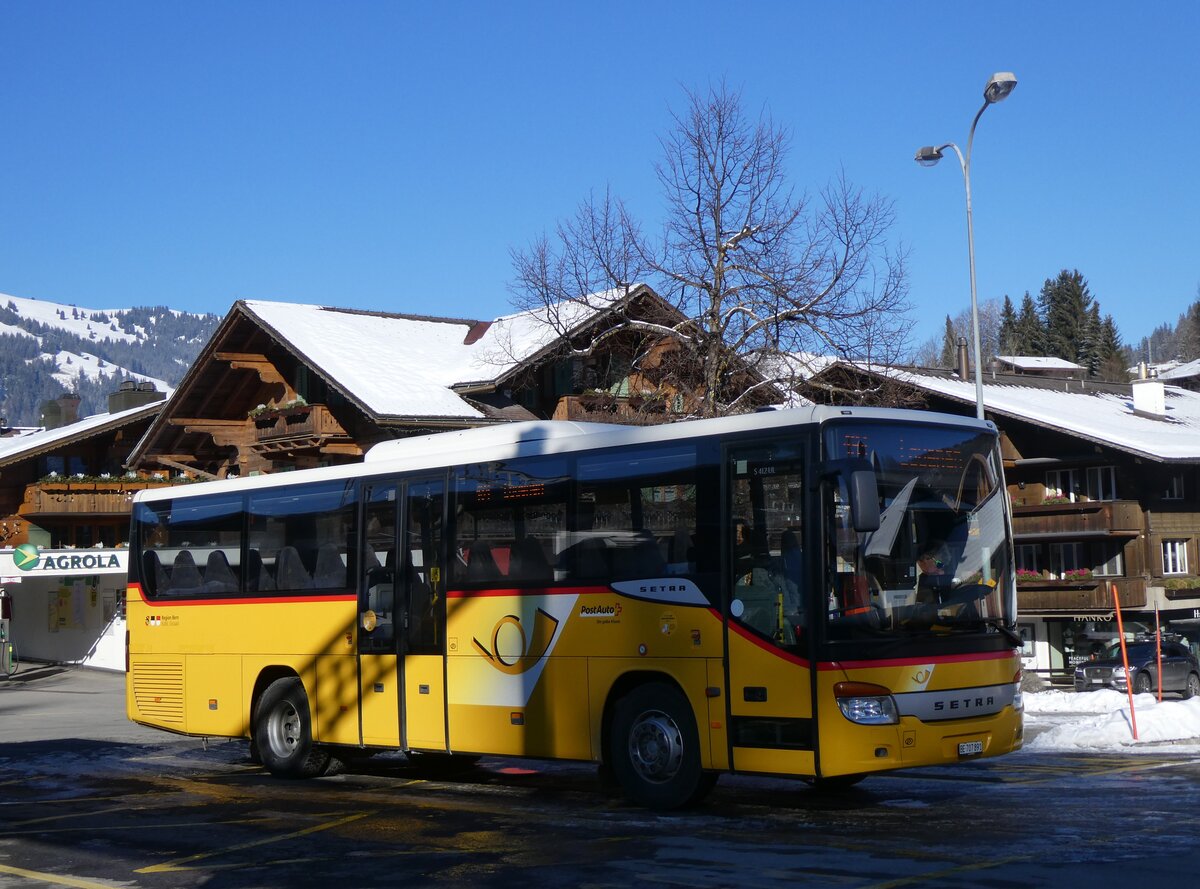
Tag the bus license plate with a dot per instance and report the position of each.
(970, 748)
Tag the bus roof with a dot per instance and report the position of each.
(538, 437)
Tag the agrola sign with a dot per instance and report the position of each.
(28, 559)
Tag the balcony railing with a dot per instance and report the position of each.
(1078, 596)
(309, 421)
(1091, 518)
(83, 498)
(604, 408)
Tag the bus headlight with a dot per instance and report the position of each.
(866, 704)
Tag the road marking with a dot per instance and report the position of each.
(57, 880)
(181, 863)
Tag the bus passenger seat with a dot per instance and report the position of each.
(154, 576)
(258, 578)
(330, 572)
(591, 558)
(218, 576)
(290, 573)
(184, 573)
(482, 564)
(643, 559)
(529, 562)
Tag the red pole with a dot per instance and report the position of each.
(1125, 659)
(1158, 648)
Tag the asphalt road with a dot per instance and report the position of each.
(87, 800)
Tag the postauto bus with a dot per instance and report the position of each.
(671, 602)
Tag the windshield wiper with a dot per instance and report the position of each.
(998, 623)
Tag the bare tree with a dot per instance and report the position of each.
(928, 354)
(752, 271)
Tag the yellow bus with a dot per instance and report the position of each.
(672, 602)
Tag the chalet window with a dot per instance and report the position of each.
(1102, 483)
(1109, 562)
(1174, 556)
(1174, 490)
(1029, 557)
(1062, 483)
(1065, 557)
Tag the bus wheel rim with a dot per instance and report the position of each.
(284, 729)
(656, 747)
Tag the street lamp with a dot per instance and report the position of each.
(997, 90)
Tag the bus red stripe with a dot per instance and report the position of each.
(263, 600)
(911, 661)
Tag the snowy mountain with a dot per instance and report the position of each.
(48, 348)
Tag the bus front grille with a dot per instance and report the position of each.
(158, 692)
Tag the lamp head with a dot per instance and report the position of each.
(927, 156)
(999, 86)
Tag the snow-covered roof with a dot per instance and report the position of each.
(1097, 414)
(1181, 371)
(20, 446)
(1038, 362)
(408, 366)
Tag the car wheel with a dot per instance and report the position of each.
(1141, 684)
(655, 749)
(1193, 686)
(283, 732)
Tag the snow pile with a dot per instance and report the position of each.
(1099, 721)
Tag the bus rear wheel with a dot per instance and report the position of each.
(655, 749)
(283, 732)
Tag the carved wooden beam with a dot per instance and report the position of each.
(250, 361)
(185, 468)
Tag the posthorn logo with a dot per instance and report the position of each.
(26, 556)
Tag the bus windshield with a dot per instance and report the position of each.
(939, 560)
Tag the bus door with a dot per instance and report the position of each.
(771, 725)
(402, 616)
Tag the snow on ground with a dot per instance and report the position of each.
(1099, 721)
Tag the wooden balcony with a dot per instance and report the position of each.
(1079, 596)
(1063, 521)
(83, 498)
(310, 426)
(604, 408)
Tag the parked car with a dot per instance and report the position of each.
(1180, 669)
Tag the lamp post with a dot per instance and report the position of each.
(997, 90)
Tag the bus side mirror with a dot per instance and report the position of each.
(864, 500)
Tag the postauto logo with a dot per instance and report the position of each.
(26, 556)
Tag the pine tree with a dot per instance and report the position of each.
(1065, 304)
(949, 356)
(1030, 335)
(1008, 327)
(1113, 365)
(1187, 334)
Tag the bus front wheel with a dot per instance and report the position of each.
(283, 732)
(655, 749)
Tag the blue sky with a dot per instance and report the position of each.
(389, 155)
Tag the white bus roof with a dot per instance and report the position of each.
(548, 437)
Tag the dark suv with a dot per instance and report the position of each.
(1180, 670)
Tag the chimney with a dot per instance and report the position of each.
(69, 404)
(61, 411)
(963, 362)
(131, 394)
(1150, 399)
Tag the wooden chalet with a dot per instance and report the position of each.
(285, 386)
